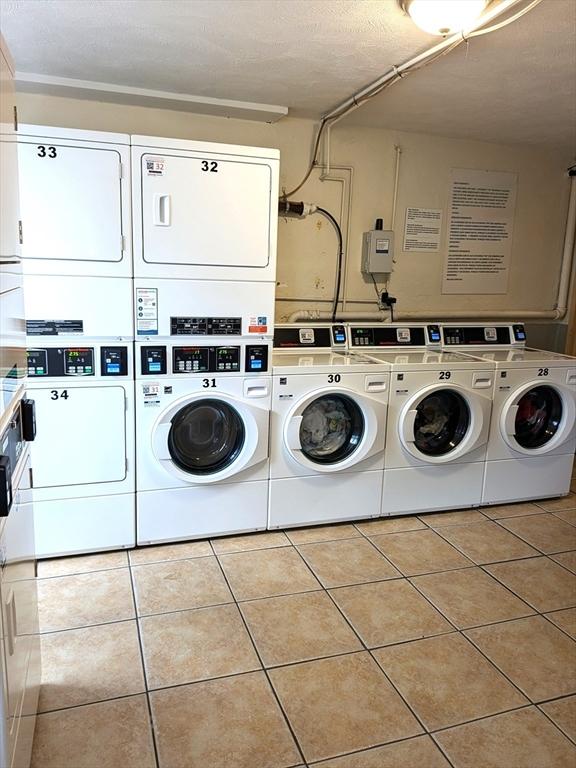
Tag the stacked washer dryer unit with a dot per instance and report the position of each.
(438, 418)
(328, 428)
(532, 433)
(76, 255)
(205, 219)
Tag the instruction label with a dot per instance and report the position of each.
(258, 324)
(482, 207)
(146, 311)
(422, 229)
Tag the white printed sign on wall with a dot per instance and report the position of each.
(422, 229)
(482, 206)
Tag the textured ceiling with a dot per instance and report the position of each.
(518, 84)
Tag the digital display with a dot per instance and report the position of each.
(190, 359)
(153, 360)
(362, 337)
(434, 333)
(256, 358)
(339, 334)
(227, 358)
(79, 362)
(37, 362)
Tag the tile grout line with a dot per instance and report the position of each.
(144, 673)
(390, 682)
(263, 668)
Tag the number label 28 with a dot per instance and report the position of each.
(543, 371)
(209, 166)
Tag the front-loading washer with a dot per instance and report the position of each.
(83, 454)
(202, 419)
(328, 428)
(438, 418)
(532, 433)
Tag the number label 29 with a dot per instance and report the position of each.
(444, 375)
(209, 166)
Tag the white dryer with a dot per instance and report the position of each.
(83, 455)
(178, 308)
(438, 418)
(202, 419)
(75, 202)
(532, 434)
(204, 211)
(328, 428)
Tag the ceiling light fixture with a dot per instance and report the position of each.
(443, 17)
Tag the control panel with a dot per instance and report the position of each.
(311, 336)
(484, 335)
(338, 335)
(203, 359)
(55, 362)
(114, 361)
(256, 358)
(387, 336)
(190, 359)
(205, 326)
(153, 360)
(64, 361)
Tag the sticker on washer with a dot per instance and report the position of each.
(403, 335)
(147, 311)
(258, 324)
(151, 394)
(155, 166)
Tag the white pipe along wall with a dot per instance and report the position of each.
(557, 313)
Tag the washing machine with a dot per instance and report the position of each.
(532, 433)
(328, 428)
(204, 211)
(83, 456)
(438, 418)
(202, 421)
(75, 202)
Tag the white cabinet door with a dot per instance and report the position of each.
(206, 211)
(72, 208)
(81, 435)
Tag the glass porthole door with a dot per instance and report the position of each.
(441, 423)
(206, 436)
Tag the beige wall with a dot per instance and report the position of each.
(365, 157)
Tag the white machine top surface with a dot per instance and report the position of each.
(313, 361)
(416, 360)
(524, 358)
(186, 145)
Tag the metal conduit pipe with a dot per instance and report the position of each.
(557, 313)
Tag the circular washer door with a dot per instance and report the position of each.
(441, 423)
(206, 436)
(331, 428)
(538, 417)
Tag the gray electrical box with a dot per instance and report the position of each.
(377, 251)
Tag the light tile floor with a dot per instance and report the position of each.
(435, 641)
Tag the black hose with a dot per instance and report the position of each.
(336, 226)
